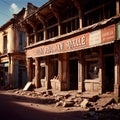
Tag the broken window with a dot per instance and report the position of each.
(91, 69)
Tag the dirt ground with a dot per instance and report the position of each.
(64, 106)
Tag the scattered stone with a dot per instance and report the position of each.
(27, 86)
(58, 98)
(84, 103)
(17, 92)
(78, 100)
(91, 97)
(67, 95)
(68, 104)
(49, 92)
(105, 101)
(60, 103)
(43, 92)
(45, 95)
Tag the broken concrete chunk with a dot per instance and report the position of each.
(68, 104)
(60, 103)
(84, 103)
(105, 101)
(49, 92)
(27, 86)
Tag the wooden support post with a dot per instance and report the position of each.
(117, 7)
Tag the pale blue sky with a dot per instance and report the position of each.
(10, 7)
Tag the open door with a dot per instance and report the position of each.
(109, 74)
(73, 74)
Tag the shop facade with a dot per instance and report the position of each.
(69, 55)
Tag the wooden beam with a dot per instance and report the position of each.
(76, 4)
(40, 18)
(117, 7)
(55, 11)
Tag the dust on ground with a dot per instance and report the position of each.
(93, 106)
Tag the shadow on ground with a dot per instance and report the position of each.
(9, 109)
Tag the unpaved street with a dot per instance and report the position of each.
(14, 107)
(20, 107)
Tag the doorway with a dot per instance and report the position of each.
(73, 74)
(109, 74)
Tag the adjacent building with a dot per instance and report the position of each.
(74, 45)
(12, 56)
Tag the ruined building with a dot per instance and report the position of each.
(12, 56)
(74, 45)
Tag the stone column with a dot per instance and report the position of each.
(29, 69)
(11, 38)
(11, 72)
(63, 71)
(117, 70)
(37, 72)
(100, 70)
(48, 73)
(81, 72)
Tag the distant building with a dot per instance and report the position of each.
(74, 45)
(12, 56)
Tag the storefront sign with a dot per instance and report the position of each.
(72, 44)
(108, 34)
(95, 37)
(75, 43)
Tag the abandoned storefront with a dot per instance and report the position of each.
(85, 62)
(63, 53)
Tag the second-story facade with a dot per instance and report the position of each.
(12, 57)
(72, 45)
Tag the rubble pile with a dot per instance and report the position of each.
(96, 107)
(72, 99)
